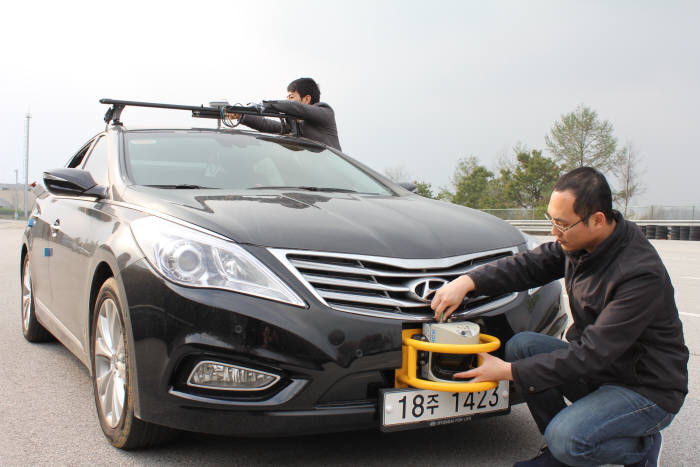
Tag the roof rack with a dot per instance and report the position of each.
(289, 122)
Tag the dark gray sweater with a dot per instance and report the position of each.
(318, 121)
(626, 328)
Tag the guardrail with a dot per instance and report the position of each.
(654, 211)
(531, 226)
(653, 229)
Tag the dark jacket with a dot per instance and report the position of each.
(318, 121)
(626, 330)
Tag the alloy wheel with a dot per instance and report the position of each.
(110, 363)
(26, 297)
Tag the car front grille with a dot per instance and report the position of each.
(387, 287)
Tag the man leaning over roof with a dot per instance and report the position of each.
(303, 101)
(624, 367)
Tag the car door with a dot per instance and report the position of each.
(71, 224)
(40, 238)
(39, 253)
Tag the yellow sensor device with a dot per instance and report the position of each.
(441, 350)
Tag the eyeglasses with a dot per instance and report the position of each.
(559, 227)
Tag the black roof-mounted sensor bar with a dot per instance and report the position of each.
(114, 112)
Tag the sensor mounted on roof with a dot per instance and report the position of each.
(217, 110)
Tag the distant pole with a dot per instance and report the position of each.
(26, 166)
(16, 197)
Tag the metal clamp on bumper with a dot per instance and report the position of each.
(407, 375)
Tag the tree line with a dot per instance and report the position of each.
(525, 180)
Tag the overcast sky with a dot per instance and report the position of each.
(416, 85)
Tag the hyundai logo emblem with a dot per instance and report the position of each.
(423, 289)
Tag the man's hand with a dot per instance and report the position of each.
(492, 369)
(450, 296)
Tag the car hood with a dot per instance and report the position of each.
(394, 226)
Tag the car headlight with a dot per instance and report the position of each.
(530, 243)
(195, 259)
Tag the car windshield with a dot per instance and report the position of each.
(200, 159)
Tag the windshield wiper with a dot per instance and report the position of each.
(183, 186)
(302, 187)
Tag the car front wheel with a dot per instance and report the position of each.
(111, 376)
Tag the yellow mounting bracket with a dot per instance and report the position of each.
(406, 376)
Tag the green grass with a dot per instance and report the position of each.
(9, 213)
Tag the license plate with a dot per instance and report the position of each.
(413, 408)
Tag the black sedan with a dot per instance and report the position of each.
(233, 282)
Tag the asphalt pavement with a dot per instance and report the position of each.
(47, 412)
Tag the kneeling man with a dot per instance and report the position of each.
(624, 367)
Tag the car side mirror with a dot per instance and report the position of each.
(73, 182)
(409, 186)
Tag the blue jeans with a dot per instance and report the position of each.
(603, 425)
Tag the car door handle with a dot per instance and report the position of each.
(55, 227)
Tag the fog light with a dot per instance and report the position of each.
(216, 375)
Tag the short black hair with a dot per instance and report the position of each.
(306, 87)
(591, 190)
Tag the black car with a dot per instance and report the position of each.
(236, 282)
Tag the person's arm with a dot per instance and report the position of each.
(523, 271)
(513, 273)
(321, 115)
(635, 304)
(261, 123)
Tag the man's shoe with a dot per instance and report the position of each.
(543, 459)
(653, 455)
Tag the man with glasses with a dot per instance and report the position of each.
(624, 367)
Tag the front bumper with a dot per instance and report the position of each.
(332, 364)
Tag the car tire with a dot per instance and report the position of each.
(31, 328)
(112, 376)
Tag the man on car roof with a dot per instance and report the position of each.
(624, 367)
(303, 101)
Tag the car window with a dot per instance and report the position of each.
(97, 162)
(79, 156)
(239, 161)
